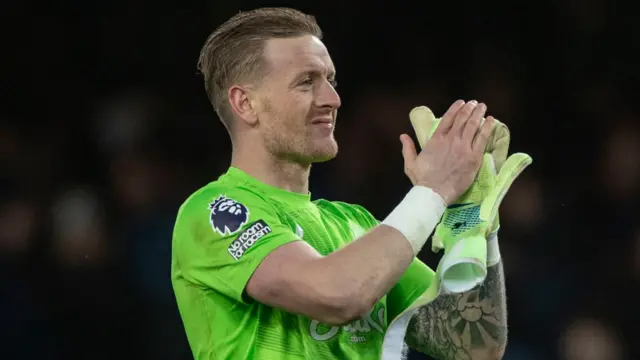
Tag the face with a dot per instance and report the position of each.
(296, 103)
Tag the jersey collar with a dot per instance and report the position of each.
(269, 190)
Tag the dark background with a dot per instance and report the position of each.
(105, 129)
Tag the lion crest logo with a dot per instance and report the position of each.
(227, 215)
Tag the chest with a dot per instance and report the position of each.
(325, 229)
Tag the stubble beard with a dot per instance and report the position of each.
(300, 148)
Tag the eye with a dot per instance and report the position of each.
(333, 82)
(307, 82)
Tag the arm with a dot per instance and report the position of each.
(345, 284)
(471, 325)
(337, 288)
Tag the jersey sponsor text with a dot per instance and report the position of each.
(247, 238)
(359, 328)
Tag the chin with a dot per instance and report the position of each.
(324, 154)
(323, 158)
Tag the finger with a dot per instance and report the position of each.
(480, 141)
(461, 118)
(408, 151)
(447, 118)
(474, 123)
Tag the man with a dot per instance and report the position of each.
(261, 272)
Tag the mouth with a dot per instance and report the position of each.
(322, 121)
(326, 124)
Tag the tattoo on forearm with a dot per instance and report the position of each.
(459, 326)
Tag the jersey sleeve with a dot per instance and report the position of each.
(221, 237)
(413, 283)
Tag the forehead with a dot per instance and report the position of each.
(293, 55)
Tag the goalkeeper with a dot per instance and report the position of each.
(262, 272)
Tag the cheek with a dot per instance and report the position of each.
(295, 112)
(288, 113)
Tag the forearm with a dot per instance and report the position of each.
(365, 270)
(471, 325)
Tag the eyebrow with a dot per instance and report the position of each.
(331, 73)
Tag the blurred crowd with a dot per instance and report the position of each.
(105, 129)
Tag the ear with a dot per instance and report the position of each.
(240, 101)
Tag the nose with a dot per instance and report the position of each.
(328, 97)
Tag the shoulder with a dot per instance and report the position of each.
(225, 206)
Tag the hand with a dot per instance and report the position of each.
(450, 160)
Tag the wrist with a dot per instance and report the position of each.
(493, 250)
(417, 215)
(447, 199)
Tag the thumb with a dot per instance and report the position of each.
(408, 150)
(511, 169)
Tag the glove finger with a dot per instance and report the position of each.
(424, 123)
(511, 169)
(498, 144)
(486, 177)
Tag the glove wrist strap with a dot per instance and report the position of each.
(493, 250)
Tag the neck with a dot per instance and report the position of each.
(271, 170)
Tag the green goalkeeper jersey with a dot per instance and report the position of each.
(222, 233)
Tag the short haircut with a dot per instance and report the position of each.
(234, 51)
